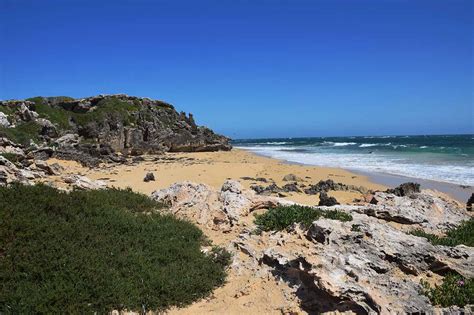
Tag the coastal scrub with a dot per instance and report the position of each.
(455, 290)
(463, 234)
(96, 251)
(282, 217)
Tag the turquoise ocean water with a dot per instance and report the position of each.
(445, 158)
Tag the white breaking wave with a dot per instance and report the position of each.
(390, 164)
(339, 144)
(367, 145)
(277, 143)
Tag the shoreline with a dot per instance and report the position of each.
(213, 169)
(454, 191)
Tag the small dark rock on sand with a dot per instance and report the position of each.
(325, 200)
(149, 177)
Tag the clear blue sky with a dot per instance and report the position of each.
(254, 68)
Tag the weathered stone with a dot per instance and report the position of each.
(83, 182)
(405, 189)
(149, 177)
(50, 169)
(291, 187)
(215, 209)
(4, 120)
(325, 200)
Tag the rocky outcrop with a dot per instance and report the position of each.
(329, 184)
(365, 266)
(426, 209)
(219, 210)
(107, 124)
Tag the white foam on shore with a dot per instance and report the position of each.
(383, 163)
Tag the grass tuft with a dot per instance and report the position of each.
(282, 217)
(96, 251)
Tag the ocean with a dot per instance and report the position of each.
(443, 158)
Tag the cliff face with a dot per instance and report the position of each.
(112, 123)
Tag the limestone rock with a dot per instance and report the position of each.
(215, 209)
(50, 169)
(4, 120)
(83, 182)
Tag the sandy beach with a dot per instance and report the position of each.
(213, 168)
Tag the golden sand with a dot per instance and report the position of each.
(213, 168)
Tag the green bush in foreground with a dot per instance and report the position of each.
(282, 217)
(95, 251)
(455, 290)
(463, 234)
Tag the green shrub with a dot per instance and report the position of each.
(455, 290)
(95, 251)
(463, 234)
(282, 217)
(22, 133)
(56, 115)
(107, 107)
(12, 157)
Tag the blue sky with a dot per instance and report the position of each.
(254, 68)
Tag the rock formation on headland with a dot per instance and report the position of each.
(102, 127)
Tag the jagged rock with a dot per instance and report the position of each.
(25, 113)
(10, 173)
(372, 269)
(270, 189)
(469, 203)
(291, 187)
(70, 139)
(329, 184)
(215, 209)
(83, 182)
(291, 178)
(426, 209)
(325, 200)
(4, 120)
(149, 177)
(7, 146)
(50, 169)
(47, 128)
(405, 189)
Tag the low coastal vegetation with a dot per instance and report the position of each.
(455, 290)
(463, 234)
(22, 133)
(96, 251)
(282, 217)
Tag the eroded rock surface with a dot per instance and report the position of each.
(366, 266)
